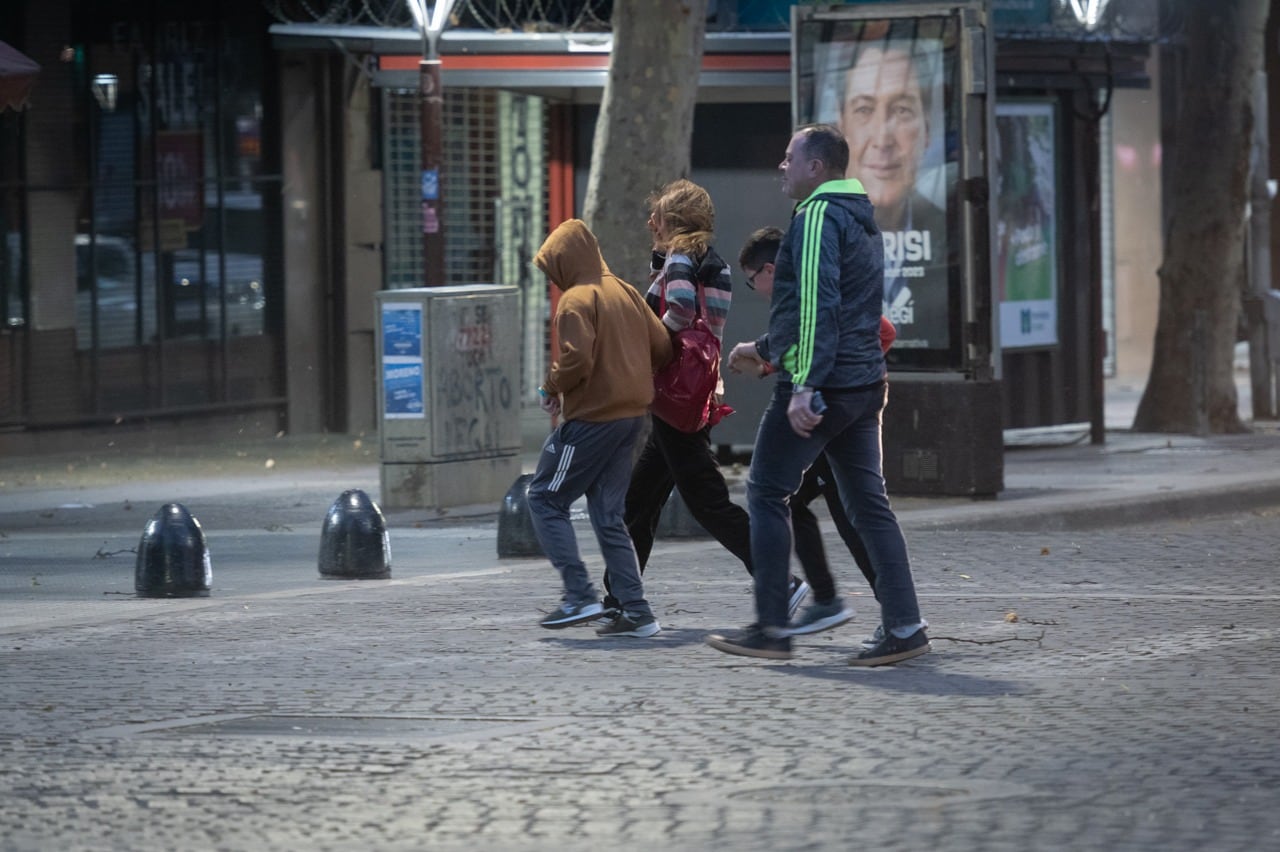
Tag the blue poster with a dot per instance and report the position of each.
(402, 330)
(402, 390)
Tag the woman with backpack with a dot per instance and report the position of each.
(687, 280)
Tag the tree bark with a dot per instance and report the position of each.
(1192, 388)
(643, 134)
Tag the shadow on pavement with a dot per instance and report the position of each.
(664, 641)
(922, 676)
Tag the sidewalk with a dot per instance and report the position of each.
(1054, 478)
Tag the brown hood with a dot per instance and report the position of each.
(571, 255)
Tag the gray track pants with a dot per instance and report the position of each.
(594, 459)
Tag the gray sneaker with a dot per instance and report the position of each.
(636, 626)
(820, 616)
(571, 613)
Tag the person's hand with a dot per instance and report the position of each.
(745, 358)
(802, 417)
(550, 404)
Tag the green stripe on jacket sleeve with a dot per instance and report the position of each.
(810, 269)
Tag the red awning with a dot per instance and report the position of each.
(17, 76)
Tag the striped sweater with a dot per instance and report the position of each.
(673, 290)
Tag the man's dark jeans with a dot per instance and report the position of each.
(850, 435)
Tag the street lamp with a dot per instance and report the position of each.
(105, 88)
(431, 20)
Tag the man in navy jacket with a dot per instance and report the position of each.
(824, 340)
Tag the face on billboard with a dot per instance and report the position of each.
(883, 118)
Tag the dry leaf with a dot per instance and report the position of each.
(1011, 616)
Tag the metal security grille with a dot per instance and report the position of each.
(470, 184)
(470, 187)
(402, 225)
(495, 201)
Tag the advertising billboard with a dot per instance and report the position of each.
(891, 86)
(1026, 262)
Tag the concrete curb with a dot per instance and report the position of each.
(1115, 512)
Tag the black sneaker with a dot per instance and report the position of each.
(569, 614)
(798, 590)
(639, 626)
(820, 616)
(752, 642)
(893, 650)
(875, 638)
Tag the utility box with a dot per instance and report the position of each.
(448, 394)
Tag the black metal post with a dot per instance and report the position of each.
(431, 94)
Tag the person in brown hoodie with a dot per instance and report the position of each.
(600, 384)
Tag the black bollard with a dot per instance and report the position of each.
(515, 525)
(173, 561)
(353, 541)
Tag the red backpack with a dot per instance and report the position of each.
(684, 389)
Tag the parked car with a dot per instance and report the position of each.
(195, 300)
(111, 262)
(198, 298)
(11, 270)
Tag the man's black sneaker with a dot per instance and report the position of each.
(638, 626)
(892, 650)
(569, 614)
(752, 642)
(610, 615)
(797, 591)
(875, 638)
(820, 616)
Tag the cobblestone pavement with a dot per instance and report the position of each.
(1112, 689)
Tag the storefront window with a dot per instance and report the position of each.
(11, 229)
(172, 238)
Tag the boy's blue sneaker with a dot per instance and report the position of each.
(820, 616)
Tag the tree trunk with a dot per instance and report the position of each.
(643, 134)
(1192, 384)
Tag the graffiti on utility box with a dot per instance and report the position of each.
(475, 394)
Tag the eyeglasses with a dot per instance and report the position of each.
(751, 279)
